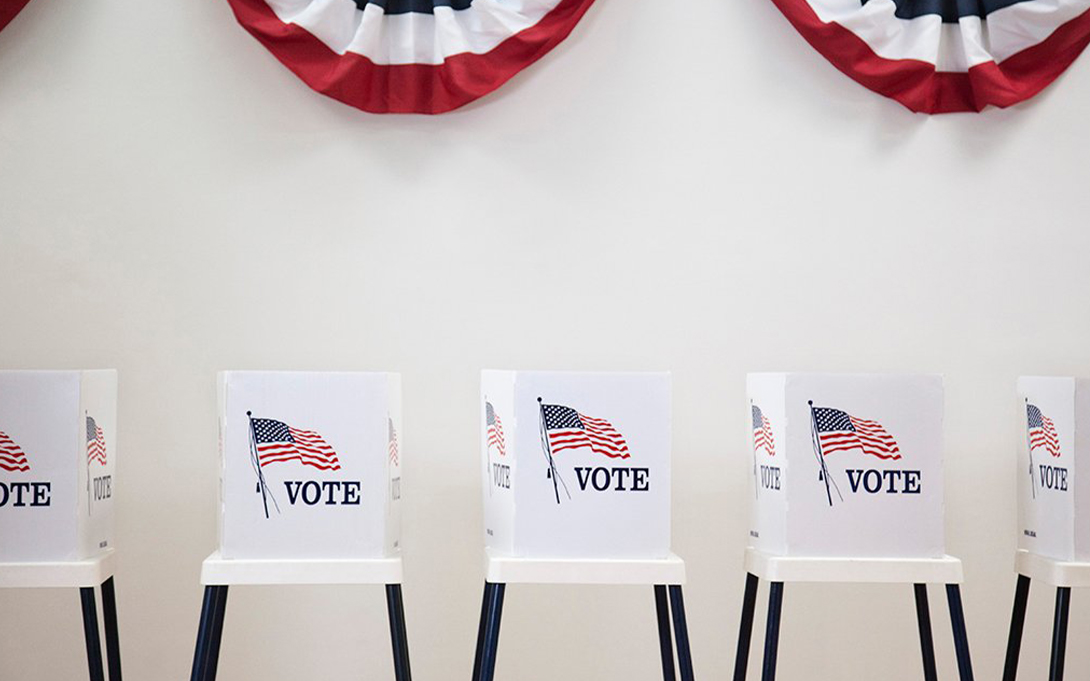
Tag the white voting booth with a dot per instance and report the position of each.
(846, 485)
(1053, 457)
(310, 491)
(576, 488)
(58, 457)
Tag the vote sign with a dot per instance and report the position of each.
(311, 464)
(576, 465)
(846, 465)
(1053, 421)
(58, 453)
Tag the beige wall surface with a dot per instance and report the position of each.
(684, 187)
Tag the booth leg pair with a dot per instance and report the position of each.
(217, 574)
(1062, 575)
(86, 575)
(666, 576)
(779, 570)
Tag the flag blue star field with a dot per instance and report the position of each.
(408, 56)
(568, 429)
(840, 431)
(941, 56)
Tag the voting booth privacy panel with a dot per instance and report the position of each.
(58, 453)
(311, 465)
(576, 465)
(1053, 443)
(846, 465)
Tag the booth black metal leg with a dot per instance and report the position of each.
(927, 642)
(1059, 633)
(745, 630)
(488, 646)
(961, 638)
(666, 641)
(209, 632)
(109, 619)
(216, 633)
(480, 632)
(772, 631)
(1018, 622)
(398, 638)
(681, 633)
(90, 633)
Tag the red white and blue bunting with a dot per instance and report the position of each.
(8, 10)
(408, 56)
(941, 56)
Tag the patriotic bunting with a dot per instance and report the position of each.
(942, 56)
(408, 56)
(8, 10)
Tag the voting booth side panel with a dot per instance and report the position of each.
(305, 465)
(1045, 473)
(38, 466)
(96, 449)
(1081, 470)
(499, 459)
(594, 465)
(767, 462)
(868, 481)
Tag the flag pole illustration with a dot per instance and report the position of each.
(565, 428)
(1029, 446)
(823, 474)
(553, 473)
(88, 424)
(756, 482)
(835, 430)
(256, 461)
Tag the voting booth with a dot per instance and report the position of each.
(846, 485)
(310, 481)
(58, 457)
(576, 489)
(1052, 416)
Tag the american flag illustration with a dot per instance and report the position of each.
(96, 443)
(1042, 431)
(276, 442)
(392, 440)
(840, 431)
(495, 429)
(762, 432)
(12, 457)
(568, 429)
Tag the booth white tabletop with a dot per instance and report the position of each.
(77, 573)
(945, 570)
(501, 568)
(218, 571)
(1051, 572)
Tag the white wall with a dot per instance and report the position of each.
(691, 185)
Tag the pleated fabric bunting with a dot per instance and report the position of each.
(942, 56)
(408, 56)
(8, 10)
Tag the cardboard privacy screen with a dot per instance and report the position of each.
(576, 465)
(1053, 437)
(311, 464)
(58, 453)
(846, 465)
